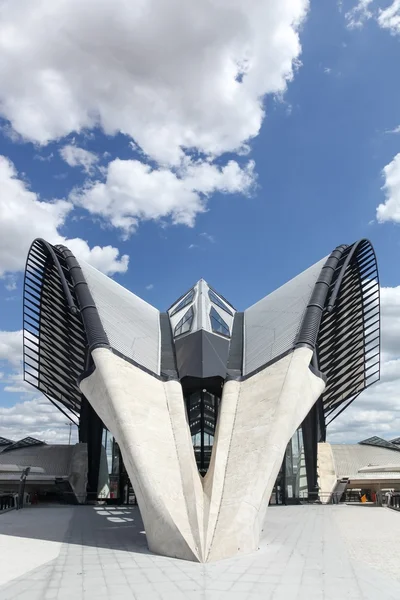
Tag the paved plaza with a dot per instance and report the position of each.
(307, 552)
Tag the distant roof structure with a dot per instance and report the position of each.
(5, 442)
(24, 443)
(357, 461)
(396, 441)
(378, 441)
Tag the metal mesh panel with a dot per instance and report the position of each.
(54, 340)
(348, 344)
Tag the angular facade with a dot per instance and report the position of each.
(212, 413)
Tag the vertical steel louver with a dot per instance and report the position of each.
(348, 343)
(54, 339)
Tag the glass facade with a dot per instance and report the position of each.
(185, 324)
(295, 469)
(186, 300)
(202, 410)
(214, 298)
(218, 325)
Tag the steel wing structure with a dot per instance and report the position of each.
(202, 400)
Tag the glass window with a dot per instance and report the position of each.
(214, 298)
(185, 324)
(218, 325)
(186, 300)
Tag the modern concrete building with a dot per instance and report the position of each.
(209, 413)
(349, 471)
(54, 469)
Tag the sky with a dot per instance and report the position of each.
(235, 141)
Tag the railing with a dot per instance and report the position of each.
(394, 502)
(7, 502)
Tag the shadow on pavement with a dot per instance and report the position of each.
(111, 527)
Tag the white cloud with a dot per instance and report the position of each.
(79, 157)
(359, 14)
(208, 237)
(11, 347)
(150, 286)
(24, 217)
(395, 130)
(134, 191)
(377, 410)
(389, 18)
(37, 418)
(172, 75)
(390, 209)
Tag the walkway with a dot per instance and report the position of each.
(308, 553)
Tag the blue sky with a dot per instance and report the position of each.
(319, 156)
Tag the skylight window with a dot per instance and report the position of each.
(186, 300)
(218, 325)
(185, 324)
(215, 300)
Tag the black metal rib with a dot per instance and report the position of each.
(61, 324)
(348, 340)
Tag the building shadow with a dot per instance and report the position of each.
(110, 527)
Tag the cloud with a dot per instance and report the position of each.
(208, 237)
(395, 130)
(390, 209)
(23, 217)
(150, 286)
(11, 347)
(195, 76)
(377, 410)
(134, 191)
(389, 18)
(359, 14)
(78, 157)
(37, 418)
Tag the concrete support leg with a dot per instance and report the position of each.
(185, 515)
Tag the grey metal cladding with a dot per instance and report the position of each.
(235, 359)
(271, 325)
(201, 354)
(168, 359)
(131, 324)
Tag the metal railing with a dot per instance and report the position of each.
(7, 502)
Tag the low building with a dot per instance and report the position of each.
(351, 471)
(55, 470)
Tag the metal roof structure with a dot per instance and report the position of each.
(24, 443)
(378, 441)
(70, 309)
(5, 441)
(357, 462)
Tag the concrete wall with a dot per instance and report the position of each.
(327, 477)
(185, 515)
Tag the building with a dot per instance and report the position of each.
(55, 470)
(251, 392)
(350, 471)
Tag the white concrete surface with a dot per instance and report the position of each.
(306, 553)
(327, 477)
(257, 418)
(185, 515)
(29, 540)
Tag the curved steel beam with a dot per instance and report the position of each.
(96, 336)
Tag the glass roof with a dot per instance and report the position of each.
(185, 324)
(186, 300)
(28, 441)
(218, 325)
(5, 441)
(214, 298)
(378, 441)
